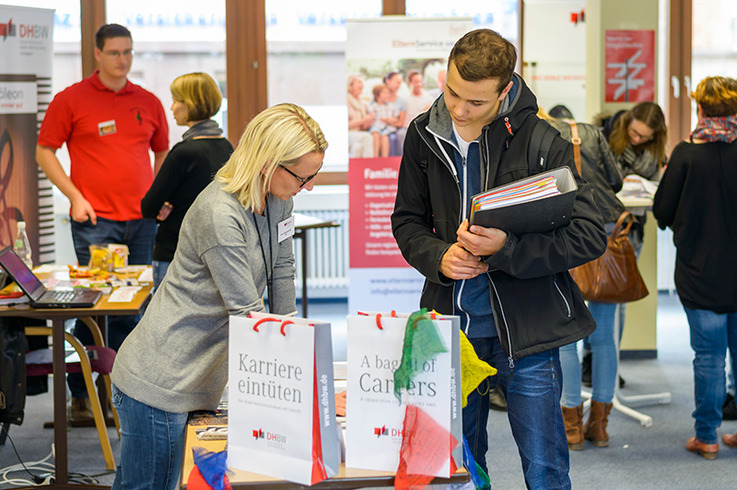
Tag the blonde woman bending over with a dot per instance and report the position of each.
(229, 254)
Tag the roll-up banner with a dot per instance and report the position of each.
(395, 70)
(26, 52)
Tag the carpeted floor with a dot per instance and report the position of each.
(638, 457)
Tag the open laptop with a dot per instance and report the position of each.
(40, 297)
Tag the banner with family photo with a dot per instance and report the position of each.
(395, 69)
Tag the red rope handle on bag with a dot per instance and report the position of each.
(284, 324)
(263, 320)
(378, 321)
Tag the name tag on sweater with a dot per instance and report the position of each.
(286, 228)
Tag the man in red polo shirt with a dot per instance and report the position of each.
(109, 125)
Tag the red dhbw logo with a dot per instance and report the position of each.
(381, 431)
(258, 434)
(8, 30)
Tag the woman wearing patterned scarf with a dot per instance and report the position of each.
(696, 199)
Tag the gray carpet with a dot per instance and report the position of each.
(638, 457)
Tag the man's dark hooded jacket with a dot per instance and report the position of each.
(536, 305)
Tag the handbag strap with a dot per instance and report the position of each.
(618, 227)
(576, 140)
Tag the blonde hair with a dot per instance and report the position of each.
(717, 96)
(351, 79)
(277, 136)
(199, 92)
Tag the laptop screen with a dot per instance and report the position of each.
(21, 274)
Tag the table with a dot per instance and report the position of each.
(346, 478)
(103, 308)
(302, 223)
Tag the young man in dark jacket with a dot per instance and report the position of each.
(515, 297)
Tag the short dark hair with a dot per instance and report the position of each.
(560, 112)
(484, 54)
(109, 31)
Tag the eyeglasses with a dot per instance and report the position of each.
(117, 54)
(640, 137)
(303, 180)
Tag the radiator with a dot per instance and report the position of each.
(327, 256)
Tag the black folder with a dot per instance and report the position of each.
(539, 215)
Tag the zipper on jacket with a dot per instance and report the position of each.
(565, 301)
(503, 316)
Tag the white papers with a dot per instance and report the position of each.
(124, 294)
(545, 186)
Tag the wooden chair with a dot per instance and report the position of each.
(97, 358)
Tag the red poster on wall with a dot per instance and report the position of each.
(629, 74)
(373, 188)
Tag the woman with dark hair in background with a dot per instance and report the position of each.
(637, 138)
(696, 199)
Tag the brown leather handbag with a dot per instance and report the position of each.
(614, 277)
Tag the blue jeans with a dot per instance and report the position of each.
(138, 235)
(711, 335)
(603, 360)
(159, 269)
(533, 409)
(151, 445)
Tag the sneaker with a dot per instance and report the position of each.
(81, 410)
(729, 409)
(496, 399)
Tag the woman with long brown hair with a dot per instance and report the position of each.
(637, 140)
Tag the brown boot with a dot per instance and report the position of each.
(81, 410)
(595, 428)
(573, 418)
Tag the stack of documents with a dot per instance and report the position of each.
(536, 204)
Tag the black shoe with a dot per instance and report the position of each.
(729, 409)
(497, 400)
(586, 370)
(621, 382)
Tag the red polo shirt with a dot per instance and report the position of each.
(108, 135)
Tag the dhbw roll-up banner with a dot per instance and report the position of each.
(395, 71)
(26, 52)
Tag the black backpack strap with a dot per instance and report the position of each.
(541, 140)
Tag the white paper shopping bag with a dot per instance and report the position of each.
(374, 415)
(281, 399)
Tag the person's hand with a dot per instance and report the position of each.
(481, 241)
(165, 211)
(82, 211)
(458, 263)
(368, 121)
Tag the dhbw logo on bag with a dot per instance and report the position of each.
(383, 431)
(269, 436)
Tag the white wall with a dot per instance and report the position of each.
(554, 64)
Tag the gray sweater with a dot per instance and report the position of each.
(176, 357)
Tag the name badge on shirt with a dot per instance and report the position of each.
(107, 127)
(286, 228)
